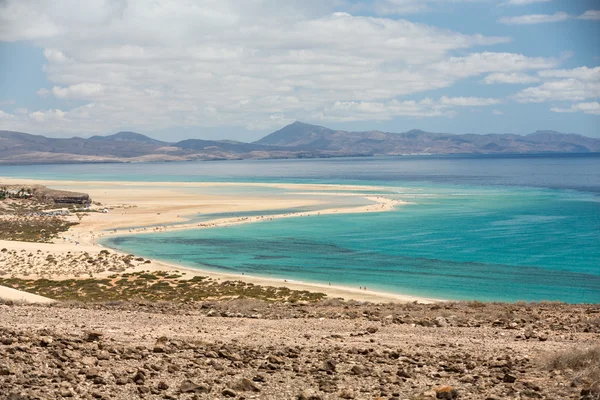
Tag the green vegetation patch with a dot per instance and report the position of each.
(155, 286)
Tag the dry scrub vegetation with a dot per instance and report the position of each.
(583, 364)
(154, 286)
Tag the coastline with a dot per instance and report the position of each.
(156, 206)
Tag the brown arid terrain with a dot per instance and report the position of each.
(252, 349)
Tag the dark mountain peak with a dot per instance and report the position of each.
(416, 132)
(296, 134)
(545, 133)
(553, 136)
(129, 137)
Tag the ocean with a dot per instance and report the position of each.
(489, 228)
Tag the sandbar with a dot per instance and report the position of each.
(147, 207)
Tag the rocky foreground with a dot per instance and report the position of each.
(248, 349)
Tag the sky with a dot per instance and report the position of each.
(239, 69)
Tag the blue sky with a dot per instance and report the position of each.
(175, 69)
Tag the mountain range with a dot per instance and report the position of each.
(297, 140)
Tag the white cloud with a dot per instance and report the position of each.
(535, 19)
(479, 63)
(575, 84)
(250, 63)
(43, 92)
(399, 7)
(6, 116)
(564, 90)
(591, 15)
(497, 112)
(55, 56)
(531, 19)
(580, 73)
(513, 78)
(525, 2)
(78, 91)
(22, 20)
(47, 115)
(587, 108)
(348, 111)
(468, 101)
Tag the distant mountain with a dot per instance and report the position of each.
(297, 140)
(299, 136)
(23, 148)
(129, 137)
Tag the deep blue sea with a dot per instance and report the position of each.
(503, 228)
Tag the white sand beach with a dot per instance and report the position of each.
(163, 206)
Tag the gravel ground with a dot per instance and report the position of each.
(248, 349)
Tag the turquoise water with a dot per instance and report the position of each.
(504, 244)
(496, 228)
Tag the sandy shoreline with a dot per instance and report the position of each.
(163, 206)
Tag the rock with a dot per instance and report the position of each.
(346, 394)
(228, 393)
(143, 389)
(446, 392)
(403, 374)
(99, 380)
(440, 322)
(508, 378)
(162, 385)
(5, 369)
(309, 395)
(159, 348)
(358, 370)
(275, 360)
(46, 341)
(430, 394)
(139, 378)
(188, 386)
(93, 336)
(327, 386)
(172, 368)
(330, 365)
(531, 394)
(7, 341)
(372, 329)
(245, 385)
(121, 380)
(92, 373)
